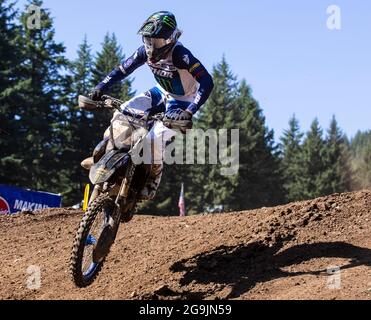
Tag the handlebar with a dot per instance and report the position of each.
(111, 103)
(115, 104)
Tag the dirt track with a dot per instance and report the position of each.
(271, 253)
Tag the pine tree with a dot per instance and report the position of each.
(362, 168)
(82, 69)
(10, 162)
(292, 169)
(208, 188)
(360, 141)
(8, 51)
(361, 160)
(40, 96)
(338, 173)
(78, 127)
(259, 182)
(313, 160)
(108, 58)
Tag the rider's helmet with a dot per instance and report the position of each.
(159, 33)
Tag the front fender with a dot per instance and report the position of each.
(103, 170)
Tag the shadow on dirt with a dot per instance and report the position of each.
(244, 266)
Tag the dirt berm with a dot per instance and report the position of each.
(270, 253)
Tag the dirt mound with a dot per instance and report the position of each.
(270, 253)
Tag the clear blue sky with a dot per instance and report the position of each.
(284, 49)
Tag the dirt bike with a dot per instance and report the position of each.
(117, 183)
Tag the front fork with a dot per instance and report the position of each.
(121, 201)
(122, 197)
(96, 192)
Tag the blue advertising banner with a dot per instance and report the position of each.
(13, 200)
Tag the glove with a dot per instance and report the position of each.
(179, 115)
(179, 119)
(95, 95)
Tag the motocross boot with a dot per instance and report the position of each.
(87, 163)
(98, 153)
(152, 184)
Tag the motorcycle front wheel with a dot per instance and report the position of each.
(93, 240)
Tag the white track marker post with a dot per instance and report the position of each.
(86, 197)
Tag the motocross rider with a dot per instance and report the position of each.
(183, 83)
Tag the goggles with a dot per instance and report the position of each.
(154, 43)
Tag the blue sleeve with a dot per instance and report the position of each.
(184, 59)
(126, 68)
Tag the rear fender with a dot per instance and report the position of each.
(103, 170)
